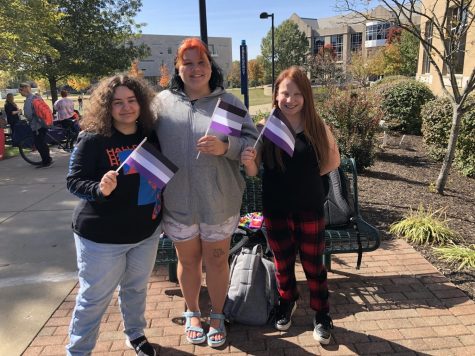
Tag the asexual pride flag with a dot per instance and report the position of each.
(151, 164)
(227, 119)
(280, 132)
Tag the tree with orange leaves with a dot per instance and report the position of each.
(164, 76)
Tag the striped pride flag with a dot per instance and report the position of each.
(278, 130)
(227, 119)
(151, 164)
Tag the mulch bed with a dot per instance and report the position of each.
(403, 177)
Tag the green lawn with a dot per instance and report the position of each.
(256, 96)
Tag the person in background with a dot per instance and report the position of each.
(65, 110)
(115, 221)
(36, 124)
(12, 111)
(202, 204)
(293, 197)
(80, 101)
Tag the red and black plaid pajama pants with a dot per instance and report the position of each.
(302, 232)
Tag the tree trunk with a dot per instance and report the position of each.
(54, 91)
(450, 154)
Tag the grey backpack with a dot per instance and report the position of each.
(338, 205)
(252, 293)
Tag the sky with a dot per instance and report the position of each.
(238, 19)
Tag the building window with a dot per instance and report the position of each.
(356, 42)
(337, 44)
(425, 57)
(212, 51)
(456, 37)
(169, 51)
(377, 31)
(318, 43)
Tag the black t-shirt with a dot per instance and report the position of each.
(12, 119)
(298, 187)
(132, 212)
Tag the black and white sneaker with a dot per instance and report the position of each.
(322, 323)
(283, 318)
(141, 346)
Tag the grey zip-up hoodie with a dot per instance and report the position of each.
(208, 189)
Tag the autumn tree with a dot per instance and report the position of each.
(234, 75)
(164, 76)
(78, 83)
(442, 27)
(256, 72)
(359, 69)
(55, 39)
(324, 68)
(134, 70)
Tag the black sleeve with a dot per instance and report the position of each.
(9, 109)
(83, 179)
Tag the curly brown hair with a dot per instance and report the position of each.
(98, 113)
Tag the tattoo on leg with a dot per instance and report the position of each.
(218, 252)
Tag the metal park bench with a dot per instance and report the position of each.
(357, 236)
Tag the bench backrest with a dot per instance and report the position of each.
(252, 197)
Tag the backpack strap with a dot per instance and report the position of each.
(244, 240)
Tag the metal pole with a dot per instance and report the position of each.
(203, 25)
(273, 54)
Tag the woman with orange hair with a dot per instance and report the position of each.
(202, 203)
(293, 197)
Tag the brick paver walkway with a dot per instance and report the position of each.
(397, 303)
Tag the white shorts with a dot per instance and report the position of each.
(178, 232)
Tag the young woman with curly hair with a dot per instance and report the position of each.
(118, 213)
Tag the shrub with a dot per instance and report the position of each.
(424, 227)
(355, 118)
(401, 101)
(436, 122)
(320, 94)
(261, 115)
(457, 255)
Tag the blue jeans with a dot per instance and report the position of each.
(103, 267)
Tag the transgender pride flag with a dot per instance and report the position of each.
(151, 164)
(280, 132)
(227, 119)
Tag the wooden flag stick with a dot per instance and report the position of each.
(206, 133)
(125, 160)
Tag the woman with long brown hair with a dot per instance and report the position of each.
(293, 197)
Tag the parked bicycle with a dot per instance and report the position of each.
(62, 138)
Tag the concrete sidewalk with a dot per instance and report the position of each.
(37, 255)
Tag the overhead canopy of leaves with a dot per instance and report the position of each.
(290, 47)
(58, 38)
(26, 27)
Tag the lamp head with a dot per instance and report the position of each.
(264, 15)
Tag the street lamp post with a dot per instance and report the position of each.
(265, 15)
(203, 23)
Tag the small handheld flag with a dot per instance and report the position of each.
(226, 119)
(151, 164)
(278, 130)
